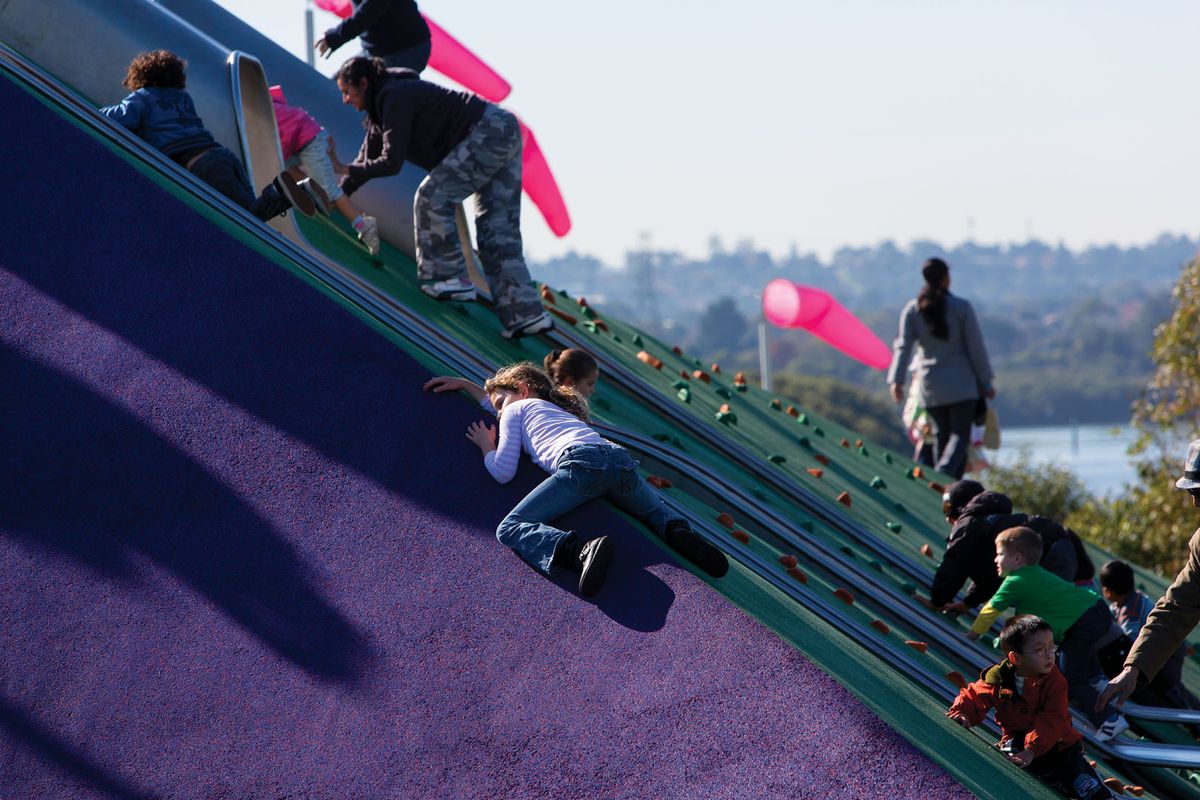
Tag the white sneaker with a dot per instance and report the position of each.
(1112, 727)
(530, 326)
(368, 234)
(451, 289)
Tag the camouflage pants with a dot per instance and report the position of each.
(487, 163)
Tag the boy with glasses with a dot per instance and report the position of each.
(1080, 620)
(1029, 695)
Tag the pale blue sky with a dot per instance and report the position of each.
(822, 124)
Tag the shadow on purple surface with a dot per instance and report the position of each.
(97, 486)
(25, 730)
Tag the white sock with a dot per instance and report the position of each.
(359, 222)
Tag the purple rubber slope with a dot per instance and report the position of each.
(243, 556)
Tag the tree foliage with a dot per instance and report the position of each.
(1151, 523)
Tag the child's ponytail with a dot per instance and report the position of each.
(539, 384)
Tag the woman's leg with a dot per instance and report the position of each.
(953, 423)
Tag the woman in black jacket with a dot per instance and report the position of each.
(469, 146)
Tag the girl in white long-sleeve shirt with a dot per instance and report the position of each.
(550, 425)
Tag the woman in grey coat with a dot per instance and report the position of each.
(951, 364)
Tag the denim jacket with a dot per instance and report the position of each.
(165, 118)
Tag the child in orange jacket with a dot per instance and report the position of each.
(1029, 696)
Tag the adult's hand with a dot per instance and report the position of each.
(323, 48)
(1119, 687)
(991, 393)
(897, 393)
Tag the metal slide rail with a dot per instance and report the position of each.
(447, 350)
(975, 655)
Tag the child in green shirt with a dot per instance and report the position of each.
(1079, 618)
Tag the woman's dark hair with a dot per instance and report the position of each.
(159, 69)
(570, 363)
(358, 68)
(931, 301)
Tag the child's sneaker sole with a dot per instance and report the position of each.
(529, 327)
(297, 197)
(444, 290)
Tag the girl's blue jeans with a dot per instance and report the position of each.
(584, 472)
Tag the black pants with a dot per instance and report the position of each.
(1067, 771)
(1080, 663)
(953, 423)
(222, 170)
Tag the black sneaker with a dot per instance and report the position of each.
(683, 540)
(296, 197)
(318, 195)
(590, 559)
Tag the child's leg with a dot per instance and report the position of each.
(637, 498)
(1080, 664)
(525, 529)
(1070, 770)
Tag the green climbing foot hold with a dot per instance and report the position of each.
(900, 507)
(887, 457)
(726, 417)
(637, 340)
(863, 450)
(616, 338)
(875, 565)
(894, 527)
(775, 458)
(847, 551)
(908, 588)
(802, 419)
(877, 483)
(685, 394)
(723, 392)
(680, 384)
(818, 432)
(804, 442)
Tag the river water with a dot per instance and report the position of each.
(1095, 453)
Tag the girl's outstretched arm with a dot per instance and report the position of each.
(447, 383)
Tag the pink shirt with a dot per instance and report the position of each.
(296, 127)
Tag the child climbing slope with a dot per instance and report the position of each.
(550, 424)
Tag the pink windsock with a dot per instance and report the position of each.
(460, 65)
(340, 7)
(789, 305)
(538, 182)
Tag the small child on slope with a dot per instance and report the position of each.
(550, 425)
(308, 148)
(1029, 695)
(1079, 619)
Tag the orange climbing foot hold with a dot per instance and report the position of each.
(788, 560)
(844, 499)
(564, 316)
(658, 483)
(726, 519)
(548, 296)
(845, 442)
(649, 359)
(917, 473)
(937, 487)
(741, 536)
(821, 459)
(880, 626)
(815, 472)
(1114, 784)
(927, 551)
(677, 350)
(1136, 791)
(701, 376)
(844, 596)
(791, 411)
(957, 679)
(920, 647)
(798, 574)
(716, 368)
(858, 442)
